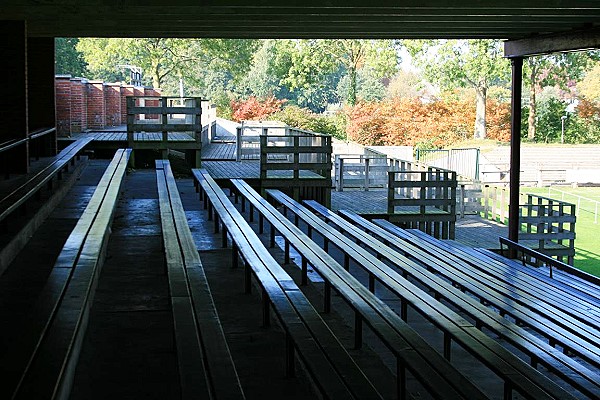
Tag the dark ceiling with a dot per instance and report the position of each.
(505, 19)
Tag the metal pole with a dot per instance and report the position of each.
(515, 148)
(562, 130)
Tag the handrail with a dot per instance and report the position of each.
(551, 262)
(41, 132)
(9, 144)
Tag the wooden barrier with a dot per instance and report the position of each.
(427, 200)
(169, 116)
(299, 164)
(547, 225)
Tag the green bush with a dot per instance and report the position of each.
(302, 118)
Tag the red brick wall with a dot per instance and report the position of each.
(112, 98)
(126, 90)
(62, 85)
(83, 104)
(96, 105)
(78, 102)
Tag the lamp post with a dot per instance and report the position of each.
(562, 131)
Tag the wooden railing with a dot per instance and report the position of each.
(548, 222)
(426, 199)
(248, 138)
(529, 256)
(297, 164)
(165, 115)
(360, 171)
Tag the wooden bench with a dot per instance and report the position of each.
(548, 261)
(205, 364)
(45, 345)
(561, 280)
(35, 183)
(412, 352)
(559, 326)
(329, 365)
(582, 378)
(515, 373)
(24, 190)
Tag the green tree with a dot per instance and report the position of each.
(589, 87)
(67, 60)
(319, 63)
(476, 63)
(549, 70)
(167, 59)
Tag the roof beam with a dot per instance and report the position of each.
(585, 39)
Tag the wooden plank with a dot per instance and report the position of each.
(418, 357)
(300, 320)
(485, 349)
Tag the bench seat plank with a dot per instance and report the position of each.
(514, 371)
(206, 362)
(298, 317)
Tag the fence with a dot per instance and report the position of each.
(299, 163)
(248, 138)
(464, 161)
(424, 199)
(360, 171)
(548, 224)
(581, 203)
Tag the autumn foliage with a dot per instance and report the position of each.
(255, 109)
(414, 122)
(398, 121)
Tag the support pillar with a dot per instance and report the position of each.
(515, 148)
(40, 89)
(13, 102)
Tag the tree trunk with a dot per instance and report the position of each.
(480, 129)
(156, 75)
(531, 128)
(352, 89)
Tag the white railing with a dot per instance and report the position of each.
(589, 204)
(360, 171)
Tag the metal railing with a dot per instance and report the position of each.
(464, 161)
(579, 200)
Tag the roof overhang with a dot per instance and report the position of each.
(508, 19)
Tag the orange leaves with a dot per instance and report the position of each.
(411, 121)
(255, 109)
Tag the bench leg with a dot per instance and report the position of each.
(447, 346)
(266, 309)
(243, 204)
(304, 275)
(224, 237)
(261, 224)
(401, 380)
(290, 364)
(326, 245)
(371, 283)
(286, 252)
(346, 262)
(272, 236)
(251, 216)
(217, 224)
(403, 310)
(247, 278)
(357, 330)
(234, 255)
(327, 298)
(507, 391)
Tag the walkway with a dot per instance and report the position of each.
(473, 230)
